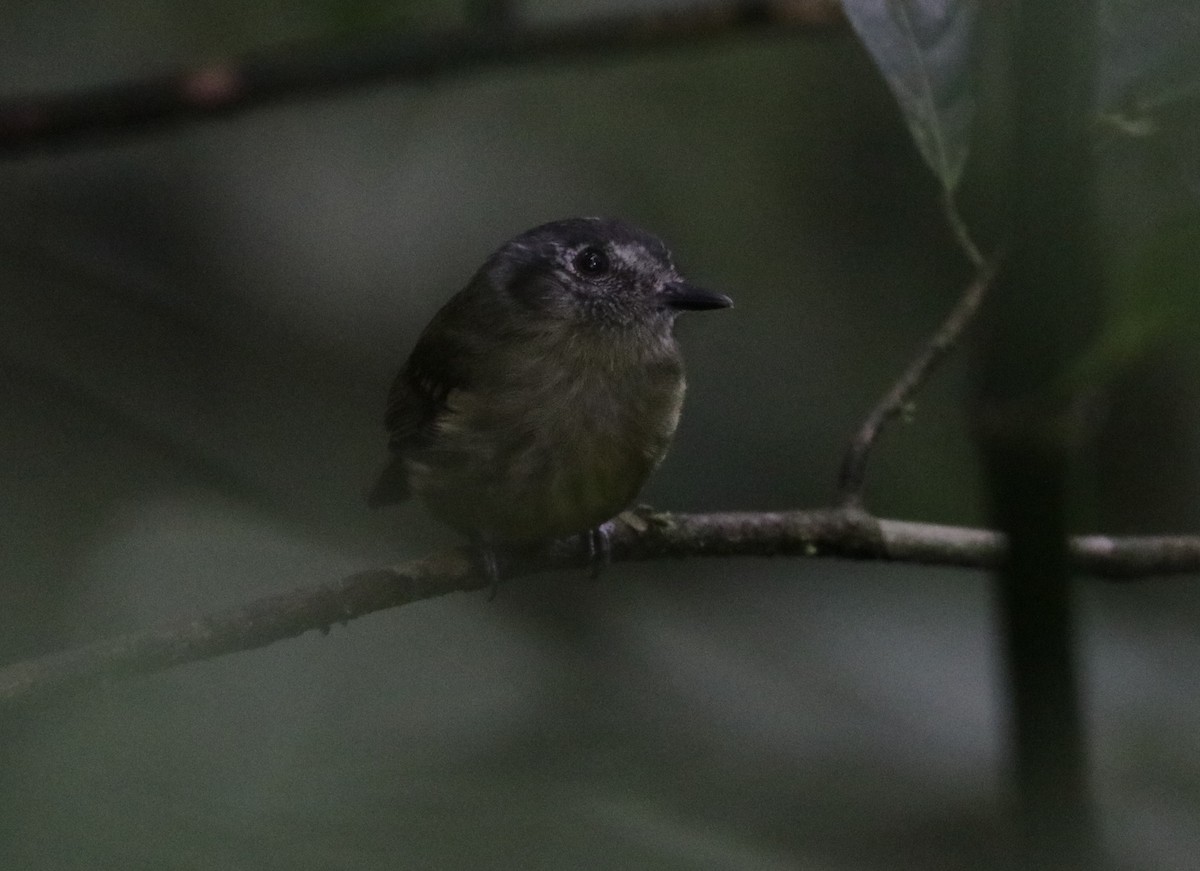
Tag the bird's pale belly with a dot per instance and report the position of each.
(591, 479)
(548, 475)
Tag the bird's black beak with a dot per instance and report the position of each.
(687, 297)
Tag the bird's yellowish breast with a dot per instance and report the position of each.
(558, 441)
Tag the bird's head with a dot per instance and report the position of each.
(595, 271)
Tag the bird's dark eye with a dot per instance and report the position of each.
(591, 261)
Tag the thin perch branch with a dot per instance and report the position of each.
(237, 84)
(848, 534)
(852, 478)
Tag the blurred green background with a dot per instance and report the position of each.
(199, 327)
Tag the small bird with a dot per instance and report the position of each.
(541, 396)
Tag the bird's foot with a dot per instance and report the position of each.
(489, 566)
(597, 547)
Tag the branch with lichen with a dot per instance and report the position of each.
(642, 535)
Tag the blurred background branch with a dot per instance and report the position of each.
(1045, 313)
(240, 83)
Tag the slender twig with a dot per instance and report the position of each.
(239, 83)
(852, 478)
(962, 233)
(841, 533)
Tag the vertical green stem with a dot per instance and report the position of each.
(1044, 306)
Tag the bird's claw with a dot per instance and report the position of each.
(489, 566)
(597, 544)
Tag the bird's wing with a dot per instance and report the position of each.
(418, 395)
(416, 401)
(459, 335)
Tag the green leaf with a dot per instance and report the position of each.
(1154, 300)
(923, 48)
(1158, 286)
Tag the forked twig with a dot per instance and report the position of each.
(852, 477)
